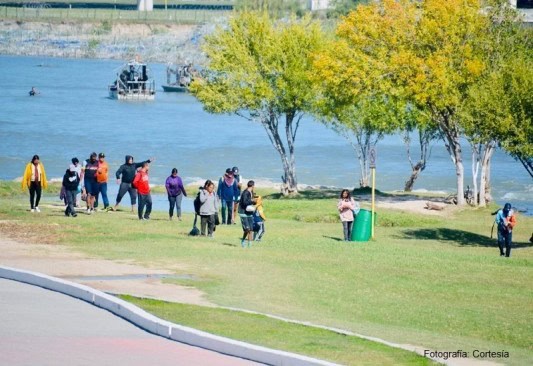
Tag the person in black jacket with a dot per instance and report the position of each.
(125, 175)
(71, 180)
(246, 211)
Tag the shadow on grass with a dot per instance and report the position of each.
(229, 244)
(460, 237)
(332, 238)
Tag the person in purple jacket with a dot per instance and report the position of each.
(176, 191)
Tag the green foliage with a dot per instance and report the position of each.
(259, 66)
(275, 8)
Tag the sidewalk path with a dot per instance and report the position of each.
(41, 327)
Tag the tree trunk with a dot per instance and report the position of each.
(476, 152)
(270, 123)
(484, 183)
(451, 134)
(425, 137)
(417, 169)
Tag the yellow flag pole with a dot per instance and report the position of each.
(373, 200)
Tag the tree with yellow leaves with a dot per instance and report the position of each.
(419, 53)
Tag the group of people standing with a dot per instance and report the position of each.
(91, 177)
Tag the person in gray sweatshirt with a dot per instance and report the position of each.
(209, 208)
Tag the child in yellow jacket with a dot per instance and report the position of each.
(34, 178)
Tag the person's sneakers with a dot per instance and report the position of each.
(32, 210)
(243, 244)
(37, 209)
(179, 218)
(67, 214)
(170, 218)
(74, 215)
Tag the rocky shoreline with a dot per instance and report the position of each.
(104, 40)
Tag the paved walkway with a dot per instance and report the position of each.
(41, 327)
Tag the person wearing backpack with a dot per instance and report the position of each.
(208, 209)
(346, 207)
(506, 221)
(228, 191)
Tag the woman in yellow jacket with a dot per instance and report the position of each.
(35, 179)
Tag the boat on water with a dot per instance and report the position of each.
(133, 82)
(179, 77)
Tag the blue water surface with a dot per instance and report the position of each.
(73, 116)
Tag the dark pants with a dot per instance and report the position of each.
(102, 188)
(71, 202)
(347, 228)
(209, 221)
(505, 238)
(126, 187)
(175, 201)
(35, 194)
(259, 230)
(227, 218)
(145, 200)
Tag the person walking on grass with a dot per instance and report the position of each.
(90, 166)
(208, 208)
(125, 175)
(259, 219)
(246, 212)
(176, 192)
(346, 207)
(506, 221)
(101, 180)
(34, 179)
(237, 176)
(140, 182)
(228, 192)
(71, 181)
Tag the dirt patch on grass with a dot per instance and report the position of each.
(31, 233)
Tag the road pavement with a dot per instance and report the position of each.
(42, 327)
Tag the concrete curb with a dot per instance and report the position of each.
(161, 327)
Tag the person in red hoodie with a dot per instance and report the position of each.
(140, 182)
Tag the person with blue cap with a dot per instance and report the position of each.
(506, 220)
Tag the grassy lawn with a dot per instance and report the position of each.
(277, 334)
(429, 281)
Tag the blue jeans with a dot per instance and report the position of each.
(102, 188)
(505, 238)
(175, 201)
(227, 205)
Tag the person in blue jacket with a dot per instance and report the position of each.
(228, 192)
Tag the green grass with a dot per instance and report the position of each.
(436, 282)
(277, 334)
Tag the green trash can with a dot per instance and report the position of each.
(362, 227)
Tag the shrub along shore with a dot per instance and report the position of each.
(436, 282)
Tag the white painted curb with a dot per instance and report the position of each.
(161, 327)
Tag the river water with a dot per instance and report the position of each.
(73, 116)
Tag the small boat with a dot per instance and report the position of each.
(184, 76)
(133, 82)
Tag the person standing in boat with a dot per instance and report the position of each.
(125, 175)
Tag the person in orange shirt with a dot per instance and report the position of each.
(101, 180)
